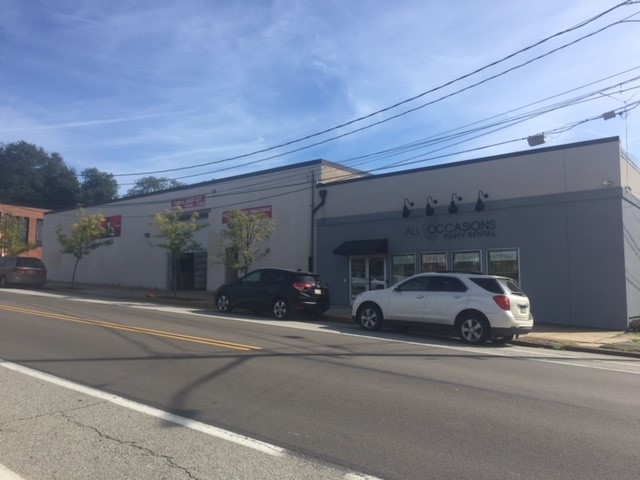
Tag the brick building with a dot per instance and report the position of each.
(31, 220)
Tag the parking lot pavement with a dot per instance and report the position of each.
(543, 335)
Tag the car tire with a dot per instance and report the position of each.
(370, 317)
(280, 308)
(223, 303)
(3, 282)
(502, 339)
(473, 329)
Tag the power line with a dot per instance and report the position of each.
(403, 102)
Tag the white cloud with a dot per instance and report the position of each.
(138, 86)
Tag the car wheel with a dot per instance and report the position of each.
(473, 329)
(370, 317)
(3, 282)
(280, 308)
(223, 303)
(503, 339)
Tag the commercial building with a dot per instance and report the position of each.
(563, 221)
(287, 195)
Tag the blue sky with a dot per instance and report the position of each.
(137, 87)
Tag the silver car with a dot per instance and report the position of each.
(479, 307)
(22, 271)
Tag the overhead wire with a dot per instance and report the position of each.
(403, 102)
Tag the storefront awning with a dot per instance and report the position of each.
(362, 247)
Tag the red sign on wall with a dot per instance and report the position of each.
(193, 201)
(265, 210)
(113, 225)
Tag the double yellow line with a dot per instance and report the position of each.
(128, 328)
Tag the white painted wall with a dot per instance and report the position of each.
(133, 260)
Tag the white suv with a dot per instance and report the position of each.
(479, 306)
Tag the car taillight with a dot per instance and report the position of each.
(302, 286)
(503, 302)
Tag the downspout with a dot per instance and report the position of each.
(314, 210)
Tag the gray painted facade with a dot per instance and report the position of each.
(577, 245)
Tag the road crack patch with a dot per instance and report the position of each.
(145, 451)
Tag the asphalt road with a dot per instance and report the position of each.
(387, 405)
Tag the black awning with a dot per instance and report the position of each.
(362, 247)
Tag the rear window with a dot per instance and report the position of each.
(312, 279)
(29, 262)
(512, 286)
(489, 284)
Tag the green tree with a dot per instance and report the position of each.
(87, 234)
(32, 177)
(176, 231)
(97, 187)
(242, 238)
(152, 184)
(12, 236)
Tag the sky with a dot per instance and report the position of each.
(196, 90)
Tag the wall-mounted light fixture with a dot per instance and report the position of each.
(430, 210)
(453, 208)
(535, 140)
(479, 202)
(405, 209)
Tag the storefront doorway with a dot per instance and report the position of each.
(192, 271)
(366, 273)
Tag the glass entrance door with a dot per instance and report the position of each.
(366, 273)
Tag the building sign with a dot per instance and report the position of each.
(454, 230)
(113, 225)
(265, 211)
(194, 201)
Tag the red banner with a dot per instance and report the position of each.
(265, 210)
(188, 202)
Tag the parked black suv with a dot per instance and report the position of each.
(277, 290)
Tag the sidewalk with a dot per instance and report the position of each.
(543, 335)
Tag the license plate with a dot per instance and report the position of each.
(523, 309)
(317, 291)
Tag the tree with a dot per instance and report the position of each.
(242, 238)
(87, 234)
(152, 184)
(97, 187)
(12, 236)
(177, 230)
(32, 177)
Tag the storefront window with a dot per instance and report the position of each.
(467, 261)
(505, 263)
(403, 266)
(433, 262)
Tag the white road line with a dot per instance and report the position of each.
(154, 412)
(6, 474)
